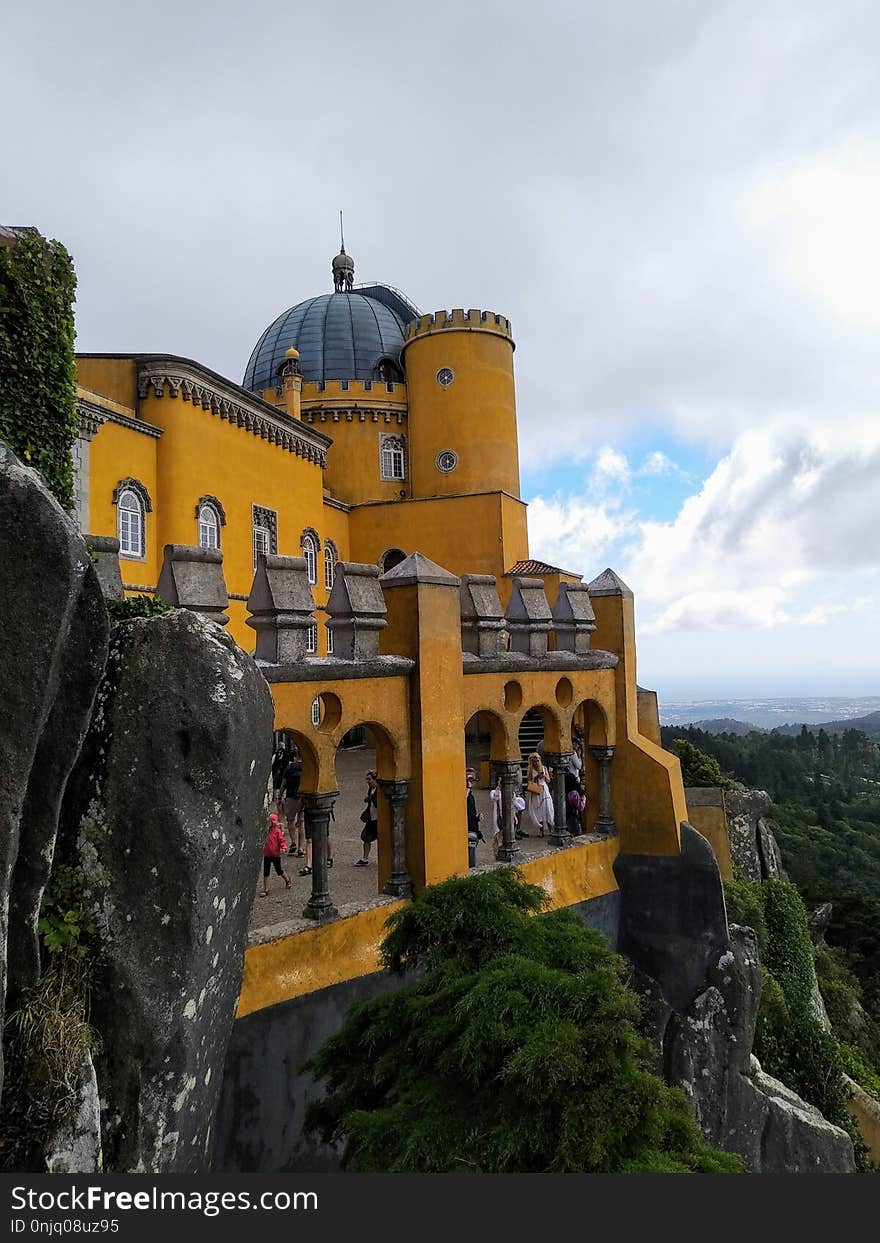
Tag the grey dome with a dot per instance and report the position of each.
(340, 336)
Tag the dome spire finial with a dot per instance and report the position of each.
(342, 266)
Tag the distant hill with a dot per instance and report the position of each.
(728, 725)
(869, 724)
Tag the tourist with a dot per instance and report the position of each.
(574, 775)
(290, 783)
(370, 818)
(473, 816)
(497, 816)
(539, 804)
(575, 802)
(275, 846)
(280, 760)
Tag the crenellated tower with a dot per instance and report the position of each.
(462, 406)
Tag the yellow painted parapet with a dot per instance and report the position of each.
(353, 392)
(459, 320)
(313, 957)
(647, 794)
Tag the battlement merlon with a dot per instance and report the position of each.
(458, 320)
(391, 393)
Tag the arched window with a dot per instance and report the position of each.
(310, 552)
(210, 517)
(312, 638)
(209, 527)
(130, 521)
(316, 711)
(390, 558)
(329, 640)
(330, 559)
(392, 457)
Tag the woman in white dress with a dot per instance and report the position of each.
(539, 804)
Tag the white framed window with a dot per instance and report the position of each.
(310, 552)
(392, 457)
(130, 521)
(265, 528)
(330, 559)
(316, 711)
(209, 527)
(262, 542)
(312, 638)
(329, 641)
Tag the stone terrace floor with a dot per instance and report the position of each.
(350, 886)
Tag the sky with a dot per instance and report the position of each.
(675, 203)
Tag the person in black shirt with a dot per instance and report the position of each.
(473, 816)
(292, 801)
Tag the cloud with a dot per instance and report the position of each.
(787, 514)
(574, 533)
(657, 463)
(611, 467)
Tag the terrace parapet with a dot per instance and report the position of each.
(281, 608)
(192, 578)
(482, 618)
(104, 552)
(356, 608)
(573, 618)
(529, 619)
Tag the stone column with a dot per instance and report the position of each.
(511, 776)
(397, 792)
(316, 809)
(558, 761)
(605, 822)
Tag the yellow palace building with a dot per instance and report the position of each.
(362, 431)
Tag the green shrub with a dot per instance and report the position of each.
(513, 1049)
(66, 924)
(137, 606)
(38, 395)
(745, 906)
(698, 768)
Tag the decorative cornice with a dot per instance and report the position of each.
(133, 485)
(92, 416)
(215, 505)
(203, 388)
(352, 414)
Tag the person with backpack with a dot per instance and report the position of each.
(276, 845)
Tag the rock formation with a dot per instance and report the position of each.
(706, 1051)
(144, 772)
(53, 646)
(172, 834)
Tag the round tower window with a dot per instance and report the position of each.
(445, 376)
(447, 461)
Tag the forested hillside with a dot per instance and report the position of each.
(826, 808)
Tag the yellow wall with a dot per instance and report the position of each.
(460, 533)
(117, 453)
(711, 822)
(475, 416)
(648, 802)
(354, 416)
(424, 623)
(344, 949)
(203, 455)
(113, 377)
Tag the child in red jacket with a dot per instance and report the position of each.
(276, 846)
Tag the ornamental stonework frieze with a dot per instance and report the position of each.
(233, 405)
(340, 414)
